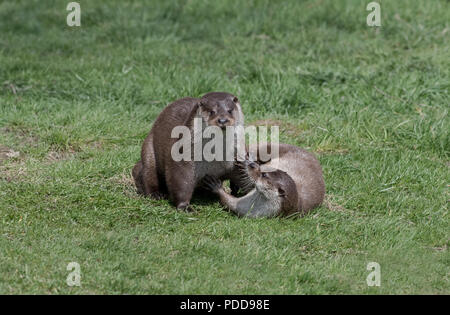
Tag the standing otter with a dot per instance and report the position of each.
(293, 169)
(158, 173)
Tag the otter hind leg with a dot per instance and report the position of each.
(149, 172)
(180, 180)
(151, 184)
(137, 176)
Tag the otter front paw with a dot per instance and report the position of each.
(211, 183)
(185, 206)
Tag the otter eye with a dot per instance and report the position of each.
(212, 112)
(264, 175)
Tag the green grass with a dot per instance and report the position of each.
(77, 103)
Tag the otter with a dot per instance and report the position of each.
(293, 168)
(157, 174)
(274, 194)
(301, 165)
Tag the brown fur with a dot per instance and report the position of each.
(275, 193)
(157, 173)
(304, 169)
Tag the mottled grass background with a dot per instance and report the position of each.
(77, 102)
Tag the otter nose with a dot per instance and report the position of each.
(222, 121)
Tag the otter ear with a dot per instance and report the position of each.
(235, 99)
(281, 192)
(201, 103)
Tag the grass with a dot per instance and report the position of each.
(372, 103)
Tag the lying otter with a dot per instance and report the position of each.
(157, 173)
(292, 182)
(274, 194)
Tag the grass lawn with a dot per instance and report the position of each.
(77, 102)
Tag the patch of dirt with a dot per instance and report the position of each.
(25, 136)
(55, 156)
(123, 179)
(7, 153)
(332, 205)
(13, 171)
(126, 181)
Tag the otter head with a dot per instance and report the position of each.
(274, 183)
(219, 109)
